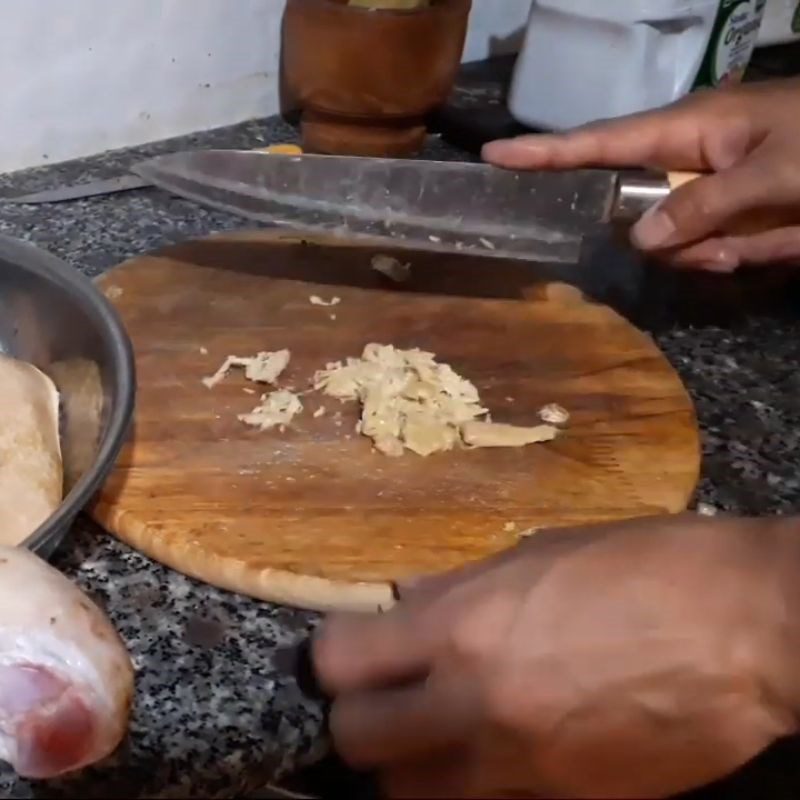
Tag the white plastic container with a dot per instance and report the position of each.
(781, 23)
(584, 60)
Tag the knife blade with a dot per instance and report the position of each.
(430, 205)
(79, 191)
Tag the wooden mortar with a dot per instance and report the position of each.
(365, 79)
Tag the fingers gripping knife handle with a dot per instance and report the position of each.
(636, 194)
(350, 784)
(297, 660)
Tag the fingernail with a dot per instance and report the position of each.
(723, 266)
(495, 149)
(722, 258)
(653, 230)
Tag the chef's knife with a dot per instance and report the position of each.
(430, 205)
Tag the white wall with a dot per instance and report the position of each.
(85, 76)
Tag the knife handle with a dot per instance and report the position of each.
(636, 194)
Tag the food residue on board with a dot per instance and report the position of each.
(320, 412)
(315, 300)
(277, 408)
(391, 267)
(554, 414)
(477, 433)
(264, 367)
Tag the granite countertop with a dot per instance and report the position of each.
(217, 714)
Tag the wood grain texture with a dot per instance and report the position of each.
(312, 516)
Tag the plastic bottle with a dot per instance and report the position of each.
(781, 23)
(584, 60)
(732, 42)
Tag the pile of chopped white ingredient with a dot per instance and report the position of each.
(409, 401)
(407, 398)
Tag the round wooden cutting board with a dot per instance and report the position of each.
(312, 516)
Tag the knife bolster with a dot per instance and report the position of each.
(636, 193)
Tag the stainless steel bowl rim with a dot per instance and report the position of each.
(39, 261)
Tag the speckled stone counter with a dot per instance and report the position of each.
(216, 714)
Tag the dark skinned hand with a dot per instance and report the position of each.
(626, 660)
(746, 137)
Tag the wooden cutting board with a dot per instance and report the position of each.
(312, 516)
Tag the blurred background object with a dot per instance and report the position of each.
(106, 77)
(367, 73)
(781, 23)
(609, 59)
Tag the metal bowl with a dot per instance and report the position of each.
(55, 318)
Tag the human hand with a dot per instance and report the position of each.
(745, 137)
(636, 659)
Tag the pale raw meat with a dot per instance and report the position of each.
(31, 462)
(66, 679)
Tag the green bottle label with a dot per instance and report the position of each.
(732, 42)
(796, 20)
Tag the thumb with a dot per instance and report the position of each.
(701, 208)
